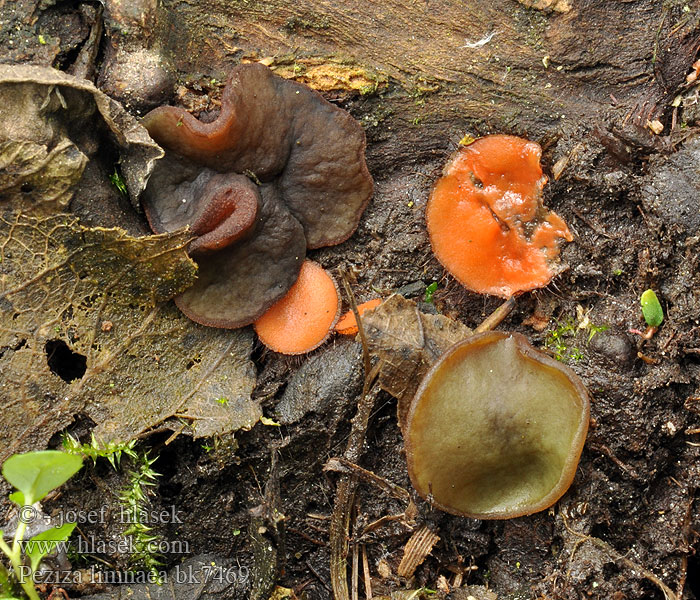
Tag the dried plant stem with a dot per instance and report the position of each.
(495, 318)
(345, 492)
(345, 495)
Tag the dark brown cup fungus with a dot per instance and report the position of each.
(312, 185)
(496, 429)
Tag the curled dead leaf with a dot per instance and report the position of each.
(408, 342)
(59, 282)
(59, 124)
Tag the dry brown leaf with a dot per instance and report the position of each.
(59, 282)
(408, 342)
(53, 124)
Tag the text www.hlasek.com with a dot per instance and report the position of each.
(91, 545)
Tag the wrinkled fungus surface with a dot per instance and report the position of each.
(279, 171)
(496, 429)
(303, 319)
(486, 220)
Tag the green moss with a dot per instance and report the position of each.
(564, 340)
(560, 341)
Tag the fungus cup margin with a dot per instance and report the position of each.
(347, 324)
(424, 485)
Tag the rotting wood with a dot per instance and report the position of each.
(493, 61)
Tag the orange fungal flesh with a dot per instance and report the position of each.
(486, 220)
(347, 324)
(302, 319)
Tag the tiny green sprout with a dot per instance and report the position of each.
(430, 291)
(34, 475)
(651, 309)
(42, 40)
(118, 182)
(594, 329)
(223, 401)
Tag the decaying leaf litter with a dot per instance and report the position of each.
(627, 526)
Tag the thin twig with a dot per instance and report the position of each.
(341, 464)
(616, 556)
(365, 574)
(355, 571)
(345, 495)
(360, 327)
(495, 318)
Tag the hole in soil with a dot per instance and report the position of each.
(80, 429)
(693, 581)
(65, 363)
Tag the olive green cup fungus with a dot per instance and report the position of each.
(496, 429)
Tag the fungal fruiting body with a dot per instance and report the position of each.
(496, 429)
(347, 324)
(304, 317)
(279, 171)
(487, 224)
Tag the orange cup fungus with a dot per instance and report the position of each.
(487, 224)
(302, 319)
(347, 324)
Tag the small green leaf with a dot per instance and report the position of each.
(269, 422)
(35, 474)
(17, 498)
(651, 309)
(430, 290)
(45, 543)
